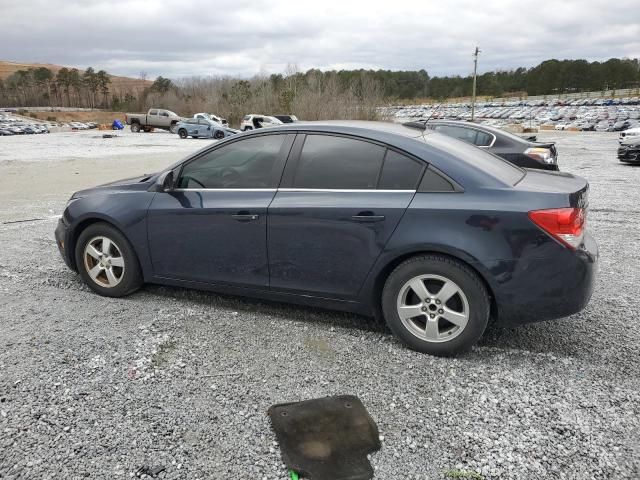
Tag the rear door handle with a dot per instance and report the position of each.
(367, 217)
(245, 217)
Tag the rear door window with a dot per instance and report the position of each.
(333, 162)
(399, 172)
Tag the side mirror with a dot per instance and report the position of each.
(165, 182)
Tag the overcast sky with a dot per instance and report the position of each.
(178, 38)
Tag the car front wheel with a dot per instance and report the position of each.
(182, 133)
(107, 262)
(219, 134)
(435, 305)
(135, 128)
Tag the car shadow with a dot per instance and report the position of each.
(319, 315)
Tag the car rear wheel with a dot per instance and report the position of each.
(135, 128)
(107, 262)
(182, 133)
(435, 305)
(218, 134)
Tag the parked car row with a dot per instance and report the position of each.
(580, 117)
(9, 125)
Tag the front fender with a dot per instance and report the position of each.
(127, 211)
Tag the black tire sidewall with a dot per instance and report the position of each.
(132, 273)
(135, 128)
(182, 133)
(464, 277)
(218, 135)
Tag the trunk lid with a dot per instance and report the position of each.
(574, 188)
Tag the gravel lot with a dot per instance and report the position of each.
(96, 387)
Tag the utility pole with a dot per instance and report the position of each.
(475, 72)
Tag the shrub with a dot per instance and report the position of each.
(33, 115)
(51, 119)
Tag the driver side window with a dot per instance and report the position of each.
(246, 163)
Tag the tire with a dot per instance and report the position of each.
(182, 133)
(246, 129)
(121, 261)
(135, 127)
(218, 134)
(468, 306)
(173, 128)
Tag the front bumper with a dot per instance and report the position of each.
(62, 240)
(547, 288)
(629, 154)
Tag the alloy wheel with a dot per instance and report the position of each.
(104, 262)
(433, 308)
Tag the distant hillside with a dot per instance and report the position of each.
(118, 84)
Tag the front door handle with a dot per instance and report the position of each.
(367, 216)
(245, 216)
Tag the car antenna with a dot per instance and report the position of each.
(432, 113)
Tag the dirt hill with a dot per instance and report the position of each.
(117, 83)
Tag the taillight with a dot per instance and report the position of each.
(541, 154)
(565, 224)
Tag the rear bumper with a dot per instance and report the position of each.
(546, 289)
(62, 241)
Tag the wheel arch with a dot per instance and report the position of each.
(86, 223)
(375, 293)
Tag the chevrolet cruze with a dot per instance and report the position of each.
(436, 236)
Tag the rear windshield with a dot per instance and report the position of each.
(492, 164)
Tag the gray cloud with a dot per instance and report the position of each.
(240, 37)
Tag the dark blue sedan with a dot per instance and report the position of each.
(435, 235)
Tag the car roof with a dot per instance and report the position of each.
(355, 127)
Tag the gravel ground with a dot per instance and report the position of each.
(83, 144)
(179, 379)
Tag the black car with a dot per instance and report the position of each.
(629, 150)
(517, 150)
(432, 234)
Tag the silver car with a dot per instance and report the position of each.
(203, 128)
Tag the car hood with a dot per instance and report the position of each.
(141, 182)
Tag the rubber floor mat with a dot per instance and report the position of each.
(326, 438)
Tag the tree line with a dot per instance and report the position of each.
(67, 88)
(551, 77)
(311, 94)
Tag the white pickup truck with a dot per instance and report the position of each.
(154, 118)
